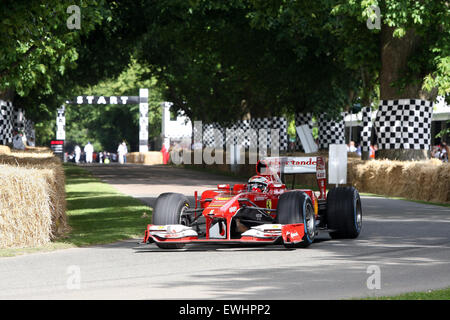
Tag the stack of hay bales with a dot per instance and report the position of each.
(417, 180)
(5, 150)
(148, 158)
(32, 198)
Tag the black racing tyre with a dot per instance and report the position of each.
(344, 213)
(167, 210)
(296, 207)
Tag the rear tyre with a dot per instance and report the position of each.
(296, 207)
(344, 213)
(168, 209)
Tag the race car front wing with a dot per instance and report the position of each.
(263, 234)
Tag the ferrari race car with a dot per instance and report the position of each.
(263, 211)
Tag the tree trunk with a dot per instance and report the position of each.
(7, 95)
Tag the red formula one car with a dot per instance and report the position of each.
(262, 211)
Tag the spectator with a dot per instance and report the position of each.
(444, 152)
(17, 140)
(77, 152)
(351, 147)
(31, 142)
(436, 152)
(358, 150)
(89, 150)
(126, 151)
(372, 152)
(121, 152)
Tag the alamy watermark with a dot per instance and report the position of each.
(374, 280)
(374, 19)
(74, 20)
(257, 143)
(74, 277)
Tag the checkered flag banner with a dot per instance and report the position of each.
(213, 135)
(239, 133)
(247, 134)
(264, 136)
(280, 124)
(366, 131)
(404, 124)
(302, 119)
(19, 119)
(6, 122)
(331, 131)
(29, 129)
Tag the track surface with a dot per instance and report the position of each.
(407, 241)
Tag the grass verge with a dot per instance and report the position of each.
(443, 294)
(97, 214)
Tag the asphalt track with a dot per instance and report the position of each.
(408, 243)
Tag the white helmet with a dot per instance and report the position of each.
(259, 182)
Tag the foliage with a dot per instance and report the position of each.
(425, 24)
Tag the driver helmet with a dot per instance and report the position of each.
(258, 182)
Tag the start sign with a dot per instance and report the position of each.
(105, 100)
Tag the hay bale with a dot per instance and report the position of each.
(4, 149)
(147, 158)
(25, 207)
(416, 180)
(52, 172)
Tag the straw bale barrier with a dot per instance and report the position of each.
(5, 150)
(427, 180)
(148, 158)
(32, 198)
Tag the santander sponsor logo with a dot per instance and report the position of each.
(293, 162)
(309, 162)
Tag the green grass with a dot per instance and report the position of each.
(443, 294)
(97, 214)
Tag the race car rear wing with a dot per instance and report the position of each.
(282, 166)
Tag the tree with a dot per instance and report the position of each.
(43, 62)
(412, 52)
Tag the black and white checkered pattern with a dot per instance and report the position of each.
(19, 119)
(331, 131)
(366, 131)
(29, 129)
(240, 133)
(213, 135)
(280, 124)
(302, 119)
(254, 133)
(6, 122)
(263, 128)
(404, 124)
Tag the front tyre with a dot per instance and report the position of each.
(168, 209)
(344, 213)
(296, 207)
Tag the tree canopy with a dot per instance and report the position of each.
(220, 60)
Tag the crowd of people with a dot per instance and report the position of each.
(88, 154)
(440, 151)
(21, 141)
